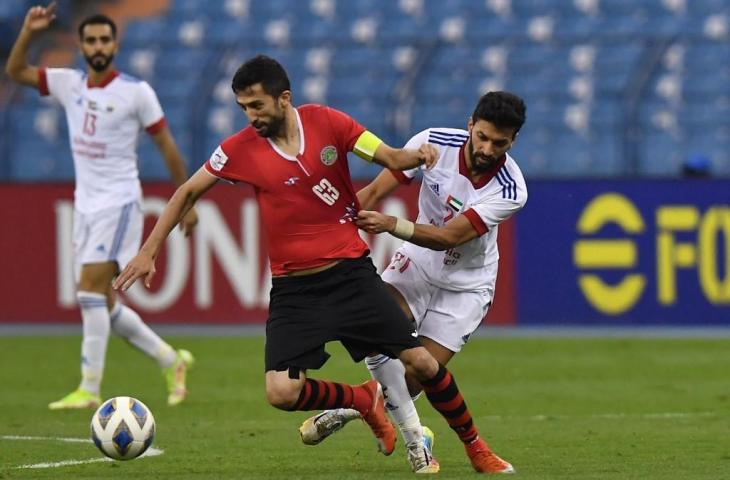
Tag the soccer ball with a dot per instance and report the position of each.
(122, 428)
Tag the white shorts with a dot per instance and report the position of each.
(110, 235)
(448, 317)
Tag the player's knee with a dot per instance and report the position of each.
(283, 396)
(419, 363)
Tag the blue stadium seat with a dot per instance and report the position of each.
(147, 32)
(243, 33)
(150, 163)
(36, 156)
(451, 114)
(11, 10)
(182, 62)
(403, 72)
(707, 57)
(456, 60)
(708, 86)
(354, 60)
(660, 155)
(320, 32)
(529, 57)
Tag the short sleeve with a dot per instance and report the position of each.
(216, 164)
(507, 198)
(346, 128)
(149, 110)
(407, 176)
(58, 82)
(228, 162)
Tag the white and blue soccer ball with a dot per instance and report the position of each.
(123, 428)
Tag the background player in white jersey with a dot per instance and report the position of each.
(105, 112)
(444, 275)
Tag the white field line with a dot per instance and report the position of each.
(151, 452)
(46, 439)
(660, 415)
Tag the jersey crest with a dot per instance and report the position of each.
(328, 155)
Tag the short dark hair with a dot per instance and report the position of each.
(264, 70)
(503, 109)
(97, 19)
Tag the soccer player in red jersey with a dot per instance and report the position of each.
(324, 286)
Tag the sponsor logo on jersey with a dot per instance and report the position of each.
(434, 186)
(218, 159)
(328, 155)
(454, 203)
(291, 181)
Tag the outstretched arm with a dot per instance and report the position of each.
(372, 149)
(377, 190)
(405, 158)
(173, 160)
(456, 232)
(17, 68)
(143, 265)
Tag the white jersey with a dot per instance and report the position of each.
(104, 123)
(446, 192)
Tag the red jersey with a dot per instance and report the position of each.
(306, 202)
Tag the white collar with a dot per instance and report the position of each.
(301, 141)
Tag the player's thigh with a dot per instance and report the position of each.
(367, 314)
(452, 317)
(403, 276)
(442, 354)
(298, 326)
(110, 235)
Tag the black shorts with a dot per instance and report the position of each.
(348, 302)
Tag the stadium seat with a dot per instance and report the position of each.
(405, 65)
(660, 155)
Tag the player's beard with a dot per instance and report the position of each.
(98, 61)
(481, 163)
(269, 129)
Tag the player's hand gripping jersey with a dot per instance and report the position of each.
(104, 122)
(446, 192)
(307, 202)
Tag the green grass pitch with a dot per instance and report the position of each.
(580, 408)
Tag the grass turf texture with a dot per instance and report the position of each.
(556, 408)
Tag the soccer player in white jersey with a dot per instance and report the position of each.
(105, 112)
(445, 272)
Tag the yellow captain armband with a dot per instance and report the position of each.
(366, 145)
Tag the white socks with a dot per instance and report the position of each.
(95, 319)
(391, 375)
(127, 324)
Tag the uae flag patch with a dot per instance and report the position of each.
(454, 203)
